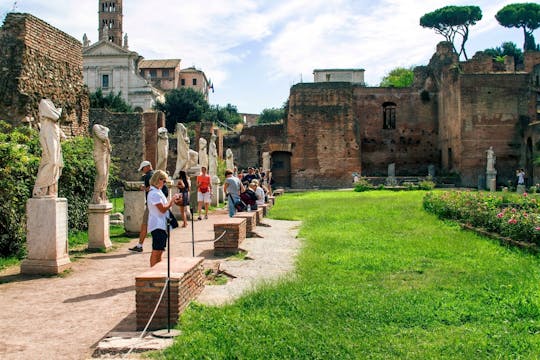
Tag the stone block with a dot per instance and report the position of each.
(134, 203)
(228, 235)
(99, 225)
(251, 221)
(46, 236)
(186, 282)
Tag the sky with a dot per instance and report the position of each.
(253, 51)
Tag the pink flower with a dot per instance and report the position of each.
(500, 215)
(525, 194)
(512, 221)
(537, 228)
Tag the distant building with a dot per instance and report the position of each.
(163, 74)
(109, 65)
(353, 76)
(195, 79)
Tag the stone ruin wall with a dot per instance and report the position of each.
(494, 112)
(38, 60)
(323, 134)
(249, 146)
(412, 145)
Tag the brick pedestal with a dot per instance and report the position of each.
(187, 281)
(251, 221)
(228, 235)
(271, 201)
(264, 209)
(260, 216)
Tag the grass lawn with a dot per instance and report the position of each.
(377, 278)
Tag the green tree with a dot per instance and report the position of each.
(525, 16)
(183, 106)
(112, 102)
(271, 116)
(506, 49)
(450, 21)
(398, 77)
(227, 115)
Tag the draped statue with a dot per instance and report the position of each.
(102, 160)
(212, 156)
(51, 164)
(203, 154)
(162, 149)
(182, 160)
(229, 159)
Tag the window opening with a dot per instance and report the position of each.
(105, 81)
(194, 81)
(389, 115)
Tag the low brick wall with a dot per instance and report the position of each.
(271, 201)
(251, 221)
(228, 235)
(264, 209)
(187, 281)
(260, 215)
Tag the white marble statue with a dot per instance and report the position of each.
(183, 157)
(229, 159)
(266, 161)
(102, 159)
(203, 153)
(51, 164)
(212, 156)
(490, 159)
(162, 149)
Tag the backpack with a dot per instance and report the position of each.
(249, 198)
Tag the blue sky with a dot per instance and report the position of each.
(255, 50)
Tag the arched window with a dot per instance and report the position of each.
(389, 115)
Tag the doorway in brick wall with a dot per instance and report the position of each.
(281, 168)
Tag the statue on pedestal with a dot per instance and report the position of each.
(51, 164)
(162, 149)
(183, 157)
(212, 156)
(490, 159)
(102, 159)
(203, 154)
(229, 159)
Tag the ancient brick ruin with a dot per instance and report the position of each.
(36, 61)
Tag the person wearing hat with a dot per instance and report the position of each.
(146, 168)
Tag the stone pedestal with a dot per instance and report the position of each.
(98, 226)
(520, 189)
(46, 236)
(215, 191)
(221, 193)
(491, 180)
(134, 203)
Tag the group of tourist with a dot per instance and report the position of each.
(251, 190)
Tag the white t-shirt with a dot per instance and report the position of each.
(156, 219)
(260, 195)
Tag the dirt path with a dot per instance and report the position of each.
(66, 317)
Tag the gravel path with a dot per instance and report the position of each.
(66, 317)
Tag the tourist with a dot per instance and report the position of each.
(146, 168)
(249, 177)
(183, 201)
(521, 176)
(232, 187)
(158, 209)
(204, 192)
(259, 192)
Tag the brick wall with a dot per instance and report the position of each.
(38, 61)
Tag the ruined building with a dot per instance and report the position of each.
(448, 119)
(36, 61)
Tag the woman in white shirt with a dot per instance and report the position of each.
(158, 207)
(259, 192)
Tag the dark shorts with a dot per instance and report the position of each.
(159, 239)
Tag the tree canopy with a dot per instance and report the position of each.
(398, 77)
(112, 102)
(271, 116)
(525, 16)
(506, 49)
(183, 106)
(450, 21)
(227, 115)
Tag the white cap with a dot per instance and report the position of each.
(143, 164)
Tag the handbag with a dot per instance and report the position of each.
(171, 220)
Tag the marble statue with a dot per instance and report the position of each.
(102, 159)
(85, 41)
(490, 159)
(203, 154)
(266, 161)
(193, 160)
(212, 156)
(183, 157)
(162, 149)
(51, 164)
(229, 159)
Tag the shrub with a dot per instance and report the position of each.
(363, 185)
(426, 185)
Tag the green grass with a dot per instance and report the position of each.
(377, 278)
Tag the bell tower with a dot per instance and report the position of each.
(110, 21)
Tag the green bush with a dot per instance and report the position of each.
(363, 185)
(20, 154)
(426, 185)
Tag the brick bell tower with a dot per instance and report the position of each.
(110, 21)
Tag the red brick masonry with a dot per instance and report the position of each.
(187, 281)
(235, 232)
(251, 218)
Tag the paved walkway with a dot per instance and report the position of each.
(66, 317)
